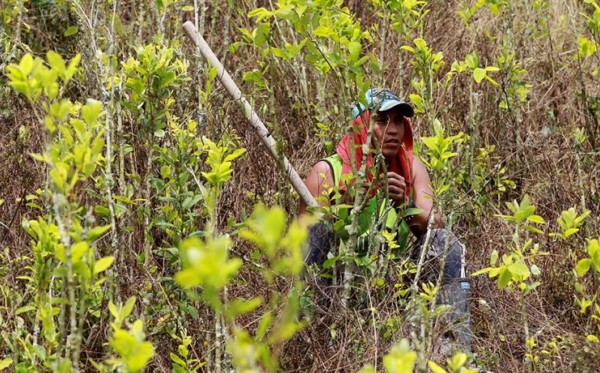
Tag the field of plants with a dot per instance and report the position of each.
(144, 227)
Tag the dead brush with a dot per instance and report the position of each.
(533, 139)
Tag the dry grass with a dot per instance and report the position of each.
(533, 141)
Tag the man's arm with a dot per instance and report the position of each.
(423, 199)
(318, 181)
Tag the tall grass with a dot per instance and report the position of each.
(530, 129)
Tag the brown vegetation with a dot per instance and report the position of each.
(533, 139)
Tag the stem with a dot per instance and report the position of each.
(415, 285)
(225, 28)
(473, 106)
(161, 27)
(414, 289)
(360, 201)
(218, 337)
(141, 23)
(62, 328)
(384, 37)
(525, 325)
(580, 178)
(108, 133)
(196, 14)
(18, 23)
(147, 195)
(122, 182)
(72, 340)
(301, 69)
(213, 22)
(374, 320)
(202, 19)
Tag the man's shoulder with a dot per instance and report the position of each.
(419, 170)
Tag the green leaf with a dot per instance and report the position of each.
(582, 267)
(72, 68)
(323, 31)
(400, 359)
(187, 279)
(96, 232)
(79, 250)
(71, 30)
(278, 52)
(254, 76)
(408, 48)
(262, 33)
(56, 62)
(458, 361)
(263, 325)
(260, 14)
(236, 154)
(102, 211)
(177, 360)
(435, 367)
(140, 352)
(206, 263)
(103, 264)
(188, 8)
(113, 310)
(505, 278)
(24, 309)
(479, 74)
(165, 171)
(472, 61)
(519, 268)
(5, 363)
(285, 12)
(420, 43)
(536, 219)
(482, 271)
(268, 226)
(91, 111)
(570, 232)
(533, 229)
(26, 64)
(494, 257)
(58, 179)
(354, 48)
(285, 331)
(190, 202)
(239, 306)
(367, 369)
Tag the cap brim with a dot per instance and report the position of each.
(405, 108)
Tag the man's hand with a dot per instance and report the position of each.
(396, 188)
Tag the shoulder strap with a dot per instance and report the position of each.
(335, 162)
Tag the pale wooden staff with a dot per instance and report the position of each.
(250, 114)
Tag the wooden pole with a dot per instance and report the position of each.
(251, 115)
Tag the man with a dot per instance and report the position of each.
(391, 169)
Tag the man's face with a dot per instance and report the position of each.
(389, 131)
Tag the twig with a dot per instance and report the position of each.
(415, 285)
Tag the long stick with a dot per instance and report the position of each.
(251, 115)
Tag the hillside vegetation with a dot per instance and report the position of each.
(143, 226)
